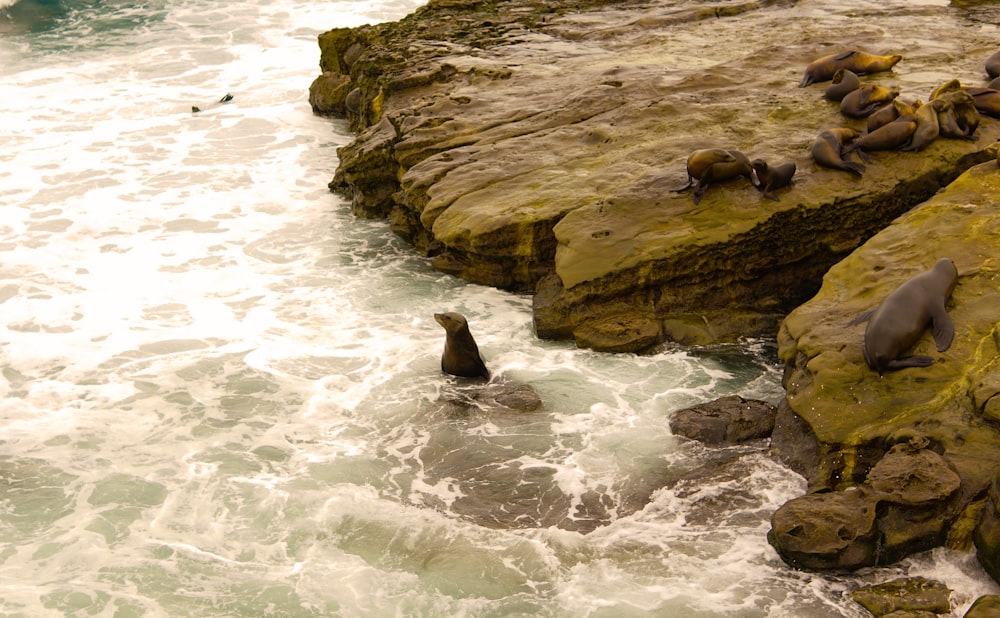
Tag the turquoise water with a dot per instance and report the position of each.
(221, 393)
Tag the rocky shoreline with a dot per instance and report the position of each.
(535, 146)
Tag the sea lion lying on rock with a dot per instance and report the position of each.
(899, 322)
(828, 150)
(862, 102)
(845, 81)
(861, 63)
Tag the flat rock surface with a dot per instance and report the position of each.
(515, 141)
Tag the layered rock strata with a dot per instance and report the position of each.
(534, 147)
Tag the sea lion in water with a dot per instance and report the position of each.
(461, 354)
(828, 150)
(892, 136)
(715, 165)
(862, 102)
(861, 63)
(899, 322)
(771, 177)
(844, 82)
(226, 98)
(993, 65)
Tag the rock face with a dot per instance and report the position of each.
(839, 417)
(534, 147)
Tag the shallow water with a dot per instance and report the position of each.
(222, 396)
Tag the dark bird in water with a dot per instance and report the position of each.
(461, 354)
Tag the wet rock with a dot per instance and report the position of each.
(986, 606)
(519, 142)
(987, 534)
(495, 397)
(328, 94)
(910, 596)
(728, 420)
(905, 505)
(846, 414)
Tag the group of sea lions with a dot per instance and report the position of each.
(952, 111)
(717, 164)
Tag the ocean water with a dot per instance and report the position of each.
(221, 394)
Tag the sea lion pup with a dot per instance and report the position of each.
(715, 165)
(861, 63)
(865, 100)
(892, 136)
(899, 322)
(927, 124)
(844, 81)
(226, 98)
(888, 113)
(461, 354)
(771, 177)
(828, 150)
(993, 65)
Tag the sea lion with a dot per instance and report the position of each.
(952, 85)
(995, 84)
(962, 119)
(862, 102)
(985, 100)
(828, 150)
(892, 136)
(993, 65)
(844, 81)
(715, 165)
(928, 127)
(771, 177)
(899, 321)
(861, 63)
(226, 98)
(461, 354)
(888, 113)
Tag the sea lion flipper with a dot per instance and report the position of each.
(910, 361)
(861, 318)
(944, 329)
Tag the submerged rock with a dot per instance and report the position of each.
(535, 147)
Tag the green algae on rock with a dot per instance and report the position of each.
(846, 413)
(534, 146)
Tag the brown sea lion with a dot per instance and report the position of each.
(928, 127)
(861, 63)
(226, 98)
(887, 113)
(771, 177)
(995, 84)
(844, 81)
(993, 65)
(461, 354)
(900, 320)
(952, 85)
(892, 136)
(715, 165)
(986, 100)
(828, 150)
(962, 119)
(865, 100)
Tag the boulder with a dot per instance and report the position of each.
(727, 420)
(986, 606)
(535, 146)
(905, 505)
(911, 596)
